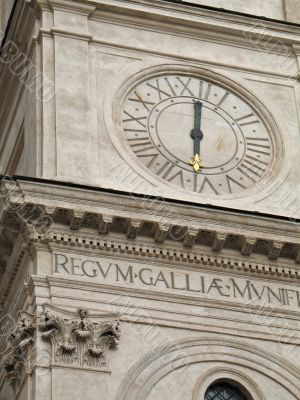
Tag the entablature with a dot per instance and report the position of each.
(43, 213)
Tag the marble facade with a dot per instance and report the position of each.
(113, 283)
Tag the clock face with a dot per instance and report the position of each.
(170, 120)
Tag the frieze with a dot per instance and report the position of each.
(171, 253)
(79, 341)
(182, 282)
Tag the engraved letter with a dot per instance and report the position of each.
(214, 285)
(141, 276)
(75, 267)
(241, 293)
(61, 263)
(129, 274)
(93, 271)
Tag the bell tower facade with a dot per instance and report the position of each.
(150, 200)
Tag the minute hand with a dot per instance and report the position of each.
(196, 132)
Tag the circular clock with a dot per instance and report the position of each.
(197, 134)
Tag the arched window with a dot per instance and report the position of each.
(224, 391)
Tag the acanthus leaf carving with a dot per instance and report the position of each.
(19, 342)
(80, 341)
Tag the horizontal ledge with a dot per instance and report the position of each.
(184, 14)
(70, 34)
(34, 187)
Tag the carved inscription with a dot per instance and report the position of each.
(197, 284)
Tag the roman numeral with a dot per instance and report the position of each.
(207, 91)
(258, 145)
(171, 172)
(223, 99)
(178, 176)
(136, 130)
(252, 168)
(256, 160)
(243, 172)
(136, 119)
(258, 139)
(158, 89)
(138, 144)
(164, 170)
(139, 99)
(170, 86)
(207, 183)
(185, 87)
(200, 89)
(231, 182)
(143, 148)
(249, 119)
(255, 150)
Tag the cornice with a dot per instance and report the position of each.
(179, 15)
(161, 221)
(65, 33)
(296, 50)
(11, 269)
(81, 201)
(77, 7)
(184, 20)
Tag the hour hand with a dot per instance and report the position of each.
(197, 135)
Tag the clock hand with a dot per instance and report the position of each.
(197, 135)
(196, 132)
